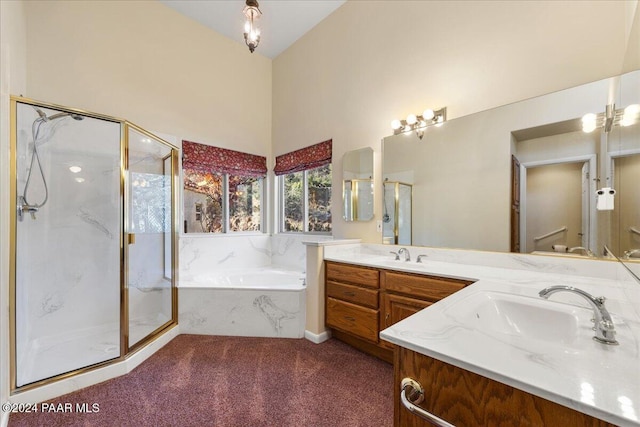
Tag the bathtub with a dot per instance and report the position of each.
(253, 302)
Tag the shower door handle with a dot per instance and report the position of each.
(131, 238)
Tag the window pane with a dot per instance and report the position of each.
(244, 203)
(151, 196)
(203, 202)
(319, 191)
(293, 203)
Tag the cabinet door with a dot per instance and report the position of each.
(395, 308)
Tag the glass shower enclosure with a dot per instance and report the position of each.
(93, 235)
(398, 207)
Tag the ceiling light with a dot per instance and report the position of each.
(75, 169)
(251, 33)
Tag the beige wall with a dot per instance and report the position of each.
(548, 187)
(13, 39)
(373, 61)
(142, 61)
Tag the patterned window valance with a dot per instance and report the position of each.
(205, 159)
(304, 159)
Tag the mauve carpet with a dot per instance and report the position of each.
(199, 380)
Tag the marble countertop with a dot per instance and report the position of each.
(600, 380)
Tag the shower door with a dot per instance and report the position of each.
(66, 231)
(150, 239)
(93, 241)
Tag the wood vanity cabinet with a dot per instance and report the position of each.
(362, 301)
(352, 306)
(404, 294)
(463, 398)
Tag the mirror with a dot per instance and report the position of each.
(357, 185)
(524, 177)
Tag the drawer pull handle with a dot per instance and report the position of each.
(349, 294)
(349, 318)
(416, 395)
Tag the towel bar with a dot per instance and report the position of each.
(410, 405)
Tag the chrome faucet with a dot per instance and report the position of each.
(419, 259)
(633, 253)
(605, 332)
(405, 251)
(396, 254)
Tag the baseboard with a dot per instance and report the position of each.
(317, 338)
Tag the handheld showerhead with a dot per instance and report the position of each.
(41, 113)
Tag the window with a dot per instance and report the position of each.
(305, 189)
(244, 203)
(223, 189)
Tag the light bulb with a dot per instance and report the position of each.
(411, 119)
(396, 124)
(75, 169)
(630, 115)
(588, 118)
(247, 27)
(632, 109)
(79, 179)
(428, 114)
(588, 126)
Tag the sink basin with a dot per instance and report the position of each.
(504, 315)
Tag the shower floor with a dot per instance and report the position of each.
(50, 356)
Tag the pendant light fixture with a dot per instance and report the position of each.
(251, 33)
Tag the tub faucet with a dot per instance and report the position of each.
(405, 251)
(586, 251)
(633, 253)
(605, 331)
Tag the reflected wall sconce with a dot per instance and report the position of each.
(611, 117)
(420, 122)
(251, 33)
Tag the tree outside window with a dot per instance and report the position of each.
(307, 200)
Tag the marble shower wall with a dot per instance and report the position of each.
(68, 257)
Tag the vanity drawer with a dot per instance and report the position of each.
(354, 319)
(353, 274)
(433, 288)
(354, 294)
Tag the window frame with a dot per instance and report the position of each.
(305, 204)
(226, 228)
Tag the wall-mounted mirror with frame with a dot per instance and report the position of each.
(357, 185)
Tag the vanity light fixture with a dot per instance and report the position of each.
(251, 33)
(420, 122)
(611, 117)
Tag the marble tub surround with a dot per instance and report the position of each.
(202, 253)
(574, 370)
(255, 302)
